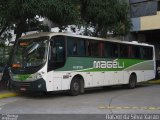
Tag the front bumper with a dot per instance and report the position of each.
(34, 86)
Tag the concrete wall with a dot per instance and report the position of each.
(150, 22)
(146, 23)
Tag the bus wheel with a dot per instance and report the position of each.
(75, 87)
(132, 81)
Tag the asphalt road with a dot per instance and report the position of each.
(94, 104)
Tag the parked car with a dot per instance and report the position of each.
(158, 69)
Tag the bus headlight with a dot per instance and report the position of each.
(38, 76)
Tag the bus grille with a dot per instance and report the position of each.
(23, 84)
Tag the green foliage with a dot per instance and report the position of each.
(102, 15)
(106, 15)
(22, 13)
(62, 12)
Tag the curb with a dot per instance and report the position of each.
(7, 95)
(11, 94)
(154, 81)
(129, 108)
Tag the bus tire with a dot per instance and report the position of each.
(75, 87)
(132, 81)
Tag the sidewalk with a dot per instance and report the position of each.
(154, 81)
(5, 92)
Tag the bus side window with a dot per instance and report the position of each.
(102, 50)
(130, 52)
(147, 53)
(81, 47)
(123, 51)
(69, 46)
(136, 52)
(75, 47)
(88, 48)
(114, 50)
(108, 51)
(95, 49)
(150, 53)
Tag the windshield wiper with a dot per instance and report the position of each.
(31, 48)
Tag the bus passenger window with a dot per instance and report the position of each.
(102, 50)
(75, 47)
(136, 52)
(88, 49)
(94, 48)
(107, 49)
(123, 51)
(114, 50)
(81, 47)
(74, 51)
(130, 52)
(147, 53)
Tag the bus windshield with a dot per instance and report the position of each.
(30, 53)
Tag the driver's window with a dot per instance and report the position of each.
(57, 53)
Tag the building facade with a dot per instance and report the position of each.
(145, 17)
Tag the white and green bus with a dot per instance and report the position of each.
(61, 61)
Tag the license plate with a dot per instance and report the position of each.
(23, 89)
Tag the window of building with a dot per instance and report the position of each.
(143, 8)
(158, 9)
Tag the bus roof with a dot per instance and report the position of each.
(51, 34)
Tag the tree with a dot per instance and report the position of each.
(23, 12)
(3, 22)
(102, 15)
(105, 16)
(63, 13)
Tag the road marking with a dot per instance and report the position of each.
(6, 95)
(127, 107)
(134, 108)
(2, 104)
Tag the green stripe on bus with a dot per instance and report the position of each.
(87, 64)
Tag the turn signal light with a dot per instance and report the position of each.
(16, 65)
(24, 44)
